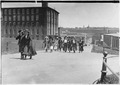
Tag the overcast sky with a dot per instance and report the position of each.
(79, 14)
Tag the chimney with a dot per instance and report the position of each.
(44, 4)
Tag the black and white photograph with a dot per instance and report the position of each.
(59, 41)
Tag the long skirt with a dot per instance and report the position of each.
(29, 50)
(32, 50)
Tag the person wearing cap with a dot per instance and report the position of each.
(19, 37)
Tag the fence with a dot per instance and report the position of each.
(104, 70)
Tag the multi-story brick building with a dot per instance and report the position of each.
(40, 21)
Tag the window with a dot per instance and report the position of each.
(10, 18)
(32, 23)
(23, 11)
(32, 18)
(14, 17)
(5, 11)
(18, 23)
(14, 23)
(5, 23)
(5, 18)
(27, 11)
(37, 17)
(23, 23)
(23, 18)
(27, 18)
(37, 23)
(18, 17)
(18, 11)
(10, 12)
(32, 11)
(37, 10)
(14, 11)
(27, 24)
(10, 23)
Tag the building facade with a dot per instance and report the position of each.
(40, 21)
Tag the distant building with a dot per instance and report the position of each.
(41, 21)
(111, 41)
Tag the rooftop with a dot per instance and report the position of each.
(114, 34)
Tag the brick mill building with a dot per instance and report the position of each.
(40, 21)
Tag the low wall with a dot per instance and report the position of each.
(99, 49)
(10, 45)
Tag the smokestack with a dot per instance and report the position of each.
(44, 4)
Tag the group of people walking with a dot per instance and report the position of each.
(25, 43)
(67, 44)
(51, 43)
(26, 47)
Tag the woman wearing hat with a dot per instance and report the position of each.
(27, 47)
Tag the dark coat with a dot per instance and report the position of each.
(25, 40)
(25, 44)
(81, 45)
(28, 47)
(19, 41)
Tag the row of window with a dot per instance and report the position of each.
(21, 23)
(20, 11)
(22, 18)
(27, 18)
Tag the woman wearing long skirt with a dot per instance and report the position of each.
(27, 46)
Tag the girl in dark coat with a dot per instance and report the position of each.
(60, 43)
(81, 42)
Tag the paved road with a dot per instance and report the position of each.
(56, 67)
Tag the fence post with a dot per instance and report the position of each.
(103, 72)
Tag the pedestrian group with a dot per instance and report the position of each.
(67, 44)
(26, 46)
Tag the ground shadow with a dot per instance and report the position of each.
(22, 59)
